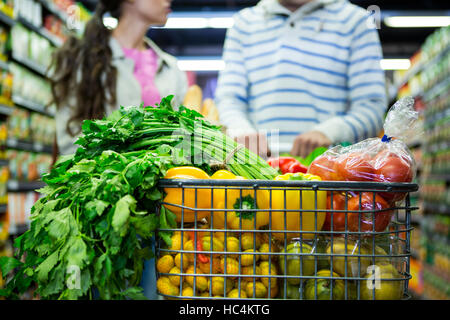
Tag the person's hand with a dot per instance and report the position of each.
(255, 142)
(306, 142)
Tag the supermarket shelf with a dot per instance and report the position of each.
(5, 19)
(31, 105)
(6, 110)
(439, 208)
(16, 230)
(4, 65)
(418, 68)
(15, 186)
(3, 208)
(28, 146)
(30, 64)
(55, 10)
(41, 31)
(438, 177)
(436, 89)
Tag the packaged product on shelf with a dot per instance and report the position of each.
(29, 86)
(3, 43)
(19, 124)
(19, 40)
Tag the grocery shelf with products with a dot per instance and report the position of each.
(30, 31)
(429, 81)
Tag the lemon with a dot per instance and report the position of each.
(165, 263)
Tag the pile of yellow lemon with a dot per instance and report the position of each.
(233, 265)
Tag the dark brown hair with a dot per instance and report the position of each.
(82, 68)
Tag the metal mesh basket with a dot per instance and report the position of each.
(296, 258)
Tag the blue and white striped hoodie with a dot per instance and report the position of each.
(317, 68)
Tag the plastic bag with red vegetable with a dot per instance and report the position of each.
(380, 160)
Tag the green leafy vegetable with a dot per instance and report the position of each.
(91, 231)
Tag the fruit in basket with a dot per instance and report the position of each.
(390, 167)
(249, 270)
(165, 287)
(299, 262)
(256, 290)
(201, 283)
(229, 266)
(265, 266)
(355, 265)
(178, 259)
(232, 246)
(292, 291)
(383, 289)
(176, 240)
(323, 166)
(370, 221)
(187, 291)
(354, 166)
(165, 263)
(249, 258)
(217, 245)
(296, 199)
(335, 219)
(210, 267)
(239, 199)
(175, 279)
(267, 248)
(327, 289)
(250, 240)
(218, 285)
(235, 293)
(189, 197)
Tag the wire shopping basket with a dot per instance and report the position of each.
(246, 239)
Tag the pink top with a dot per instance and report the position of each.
(145, 65)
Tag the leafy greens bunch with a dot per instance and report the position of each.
(92, 230)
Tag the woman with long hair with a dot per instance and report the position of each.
(95, 75)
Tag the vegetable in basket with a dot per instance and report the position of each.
(378, 160)
(305, 201)
(373, 213)
(244, 201)
(99, 206)
(287, 165)
(198, 198)
(325, 289)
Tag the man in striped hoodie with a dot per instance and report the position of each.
(303, 74)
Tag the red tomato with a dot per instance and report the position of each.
(354, 167)
(338, 217)
(392, 168)
(323, 166)
(382, 218)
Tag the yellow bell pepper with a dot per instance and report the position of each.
(237, 200)
(191, 195)
(291, 198)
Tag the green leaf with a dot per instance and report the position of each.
(134, 293)
(77, 253)
(145, 225)
(95, 208)
(122, 212)
(84, 166)
(46, 266)
(8, 264)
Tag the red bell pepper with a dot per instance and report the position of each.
(297, 167)
(199, 247)
(287, 165)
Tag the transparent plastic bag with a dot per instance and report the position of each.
(385, 160)
(380, 160)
